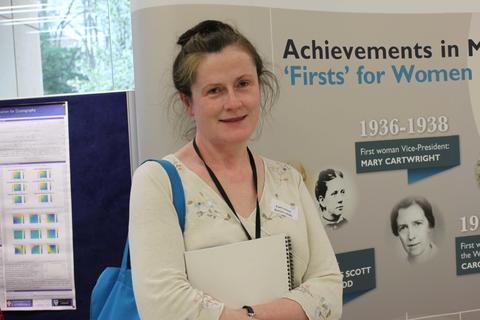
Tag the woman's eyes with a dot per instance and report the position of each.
(214, 90)
(243, 83)
(240, 84)
(415, 224)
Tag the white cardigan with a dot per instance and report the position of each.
(157, 244)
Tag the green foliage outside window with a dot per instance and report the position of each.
(88, 46)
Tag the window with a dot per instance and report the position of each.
(65, 46)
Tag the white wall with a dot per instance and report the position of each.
(8, 77)
(20, 56)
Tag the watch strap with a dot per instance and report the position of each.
(250, 311)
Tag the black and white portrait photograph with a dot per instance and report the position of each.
(332, 194)
(413, 222)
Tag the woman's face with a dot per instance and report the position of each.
(225, 101)
(334, 197)
(413, 230)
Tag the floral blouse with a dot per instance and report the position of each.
(157, 245)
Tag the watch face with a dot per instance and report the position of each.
(250, 311)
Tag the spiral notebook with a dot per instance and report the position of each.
(243, 273)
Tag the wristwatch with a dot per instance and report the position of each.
(250, 312)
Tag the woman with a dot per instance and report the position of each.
(222, 84)
(412, 221)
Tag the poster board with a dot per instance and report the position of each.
(35, 208)
(355, 88)
(100, 180)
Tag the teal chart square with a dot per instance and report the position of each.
(35, 234)
(18, 234)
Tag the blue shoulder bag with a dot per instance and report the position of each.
(112, 297)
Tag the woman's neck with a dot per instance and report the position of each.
(224, 156)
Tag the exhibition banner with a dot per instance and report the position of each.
(381, 113)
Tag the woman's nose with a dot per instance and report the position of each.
(232, 100)
(411, 234)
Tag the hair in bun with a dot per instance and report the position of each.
(212, 36)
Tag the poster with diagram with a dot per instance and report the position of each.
(36, 248)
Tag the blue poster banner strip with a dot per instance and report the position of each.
(415, 175)
(418, 153)
(467, 254)
(41, 110)
(358, 270)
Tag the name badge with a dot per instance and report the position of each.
(284, 209)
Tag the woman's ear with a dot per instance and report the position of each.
(321, 202)
(187, 103)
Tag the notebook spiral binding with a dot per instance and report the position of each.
(288, 244)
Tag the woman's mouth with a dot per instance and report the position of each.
(233, 119)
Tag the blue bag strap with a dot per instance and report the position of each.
(125, 257)
(178, 196)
